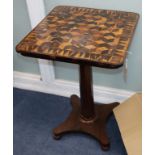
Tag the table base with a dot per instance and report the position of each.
(94, 127)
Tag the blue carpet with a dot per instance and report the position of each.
(35, 114)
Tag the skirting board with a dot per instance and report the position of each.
(66, 88)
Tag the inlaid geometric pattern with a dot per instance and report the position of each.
(82, 34)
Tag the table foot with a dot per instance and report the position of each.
(57, 137)
(94, 127)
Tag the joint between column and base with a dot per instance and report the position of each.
(87, 120)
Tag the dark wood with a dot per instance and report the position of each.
(86, 116)
(69, 60)
(82, 35)
(86, 93)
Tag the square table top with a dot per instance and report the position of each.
(82, 35)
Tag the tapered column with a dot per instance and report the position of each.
(86, 92)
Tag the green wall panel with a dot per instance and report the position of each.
(21, 26)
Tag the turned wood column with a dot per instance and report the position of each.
(86, 93)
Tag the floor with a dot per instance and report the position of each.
(35, 114)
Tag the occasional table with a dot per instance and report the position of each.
(88, 37)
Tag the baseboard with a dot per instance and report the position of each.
(66, 88)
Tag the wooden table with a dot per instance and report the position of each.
(88, 37)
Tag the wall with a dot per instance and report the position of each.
(104, 77)
(21, 26)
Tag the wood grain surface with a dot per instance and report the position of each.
(81, 35)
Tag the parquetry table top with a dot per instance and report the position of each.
(82, 35)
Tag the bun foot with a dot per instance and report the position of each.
(105, 147)
(57, 137)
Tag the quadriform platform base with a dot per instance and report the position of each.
(86, 116)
